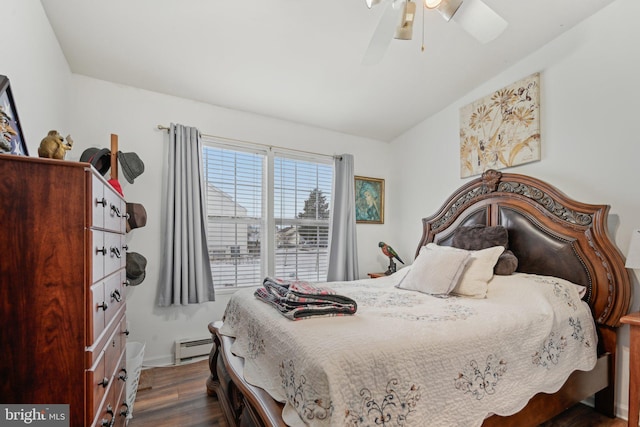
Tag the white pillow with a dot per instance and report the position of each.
(435, 271)
(478, 272)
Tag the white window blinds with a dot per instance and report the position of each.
(302, 200)
(236, 222)
(256, 228)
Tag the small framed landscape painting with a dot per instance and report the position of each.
(369, 200)
(11, 137)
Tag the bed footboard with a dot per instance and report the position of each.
(243, 404)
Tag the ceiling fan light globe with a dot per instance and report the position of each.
(431, 4)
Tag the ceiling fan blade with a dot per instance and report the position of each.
(384, 32)
(479, 20)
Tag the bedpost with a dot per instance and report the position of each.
(213, 382)
(605, 399)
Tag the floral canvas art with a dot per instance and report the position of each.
(502, 129)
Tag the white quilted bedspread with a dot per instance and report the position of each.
(409, 359)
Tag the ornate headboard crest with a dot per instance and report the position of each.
(491, 181)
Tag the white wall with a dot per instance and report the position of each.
(589, 127)
(37, 70)
(99, 109)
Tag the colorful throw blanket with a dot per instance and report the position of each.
(298, 300)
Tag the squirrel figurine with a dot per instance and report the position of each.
(52, 146)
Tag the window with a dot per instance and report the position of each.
(268, 214)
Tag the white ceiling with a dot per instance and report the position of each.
(299, 60)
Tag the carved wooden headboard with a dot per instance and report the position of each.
(550, 234)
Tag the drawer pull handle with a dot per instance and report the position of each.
(104, 383)
(103, 306)
(115, 295)
(113, 420)
(127, 282)
(116, 252)
(125, 247)
(126, 332)
(102, 202)
(123, 374)
(102, 250)
(124, 412)
(116, 211)
(106, 423)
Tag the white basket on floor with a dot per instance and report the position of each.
(135, 354)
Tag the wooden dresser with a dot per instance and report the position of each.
(62, 289)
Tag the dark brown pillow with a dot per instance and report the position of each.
(507, 264)
(478, 236)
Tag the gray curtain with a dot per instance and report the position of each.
(186, 270)
(343, 248)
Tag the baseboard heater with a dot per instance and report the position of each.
(188, 349)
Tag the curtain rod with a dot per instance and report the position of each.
(257, 143)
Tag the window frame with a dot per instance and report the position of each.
(268, 239)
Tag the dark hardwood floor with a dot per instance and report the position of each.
(176, 396)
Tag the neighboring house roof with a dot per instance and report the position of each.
(220, 203)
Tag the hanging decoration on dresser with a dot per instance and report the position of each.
(136, 268)
(53, 146)
(136, 216)
(132, 165)
(100, 158)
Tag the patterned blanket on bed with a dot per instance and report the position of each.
(410, 359)
(297, 300)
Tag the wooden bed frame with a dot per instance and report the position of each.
(550, 234)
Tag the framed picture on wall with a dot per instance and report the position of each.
(11, 136)
(369, 200)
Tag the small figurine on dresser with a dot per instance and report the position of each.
(53, 146)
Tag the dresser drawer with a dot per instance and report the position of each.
(114, 294)
(116, 252)
(108, 375)
(123, 411)
(98, 202)
(97, 384)
(114, 410)
(108, 209)
(97, 255)
(109, 253)
(112, 353)
(115, 212)
(120, 390)
(96, 313)
(108, 300)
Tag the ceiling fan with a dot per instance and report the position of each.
(474, 16)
